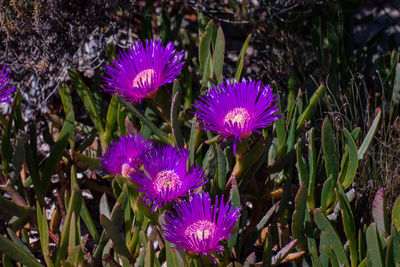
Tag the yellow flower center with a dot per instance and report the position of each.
(165, 180)
(237, 115)
(203, 229)
(143, 77)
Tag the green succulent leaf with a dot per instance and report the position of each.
(379, 211)
(327, 194)
(329, 150)
(218, 57)
(331, 235)
(6, 148)
(222, 170)
(74, 207)
(370, 135)
(156, 130)
(311, 108)
(44, 234)
(396, 245)
(267, 253)
(350, 171)
(396, 214)
(396, 88)
(301, 165)
(348, 224)
(88, 100)
(240, 60)
(111, 119)
(176, 129)
(298, 217)
(114, 232)
(235, 199)
(17, 253)
(55, 155)
(374, 245)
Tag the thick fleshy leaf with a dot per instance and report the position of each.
(176, 129)
(235, 199)
(329, 150)
(301, 165)
(218, 56)
(111, 119)
(374, 245)
(55, 155)
(192, 141)
(396, 87)
(311, 108)
(240, 60)
(348, 224)
(6, 148)
(44, 234)
(312, 166)
(327, 194)
(368, 138)
(298, 217)
(117, 219)
(156, 130)
(331, 235)
(17, 253)
(114, 232)
(172, 260)
(267, 252)
(204, 48)
(74, 206)
(379, 211)
(332, 257)
(222, 171)
(281, 255)
(352, 161)
(396, 244)
(88, 100)
(19, 156)
(396, 214)
(149, 258)
(66, 99)
(9, 209)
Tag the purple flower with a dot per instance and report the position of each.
(199, 227)
(237, 109)
(167, 178)
(139, 73)
(4, 81)
(123, 156)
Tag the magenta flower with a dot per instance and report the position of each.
(237, 110)
(4, 90)
(199, 227)
(123, 156)
(167, 178)
(139, 73)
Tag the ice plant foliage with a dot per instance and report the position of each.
(138, 73)
(4, 90)
(237, 110)
(167, 178)
(123, 156)
(199, 227)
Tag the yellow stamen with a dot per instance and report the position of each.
(143, 77)
(203, 229)
(237, 115)
(165, 180)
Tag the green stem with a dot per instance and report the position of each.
(239, 156)
(161, 104)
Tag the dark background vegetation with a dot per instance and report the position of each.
(350, 46)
